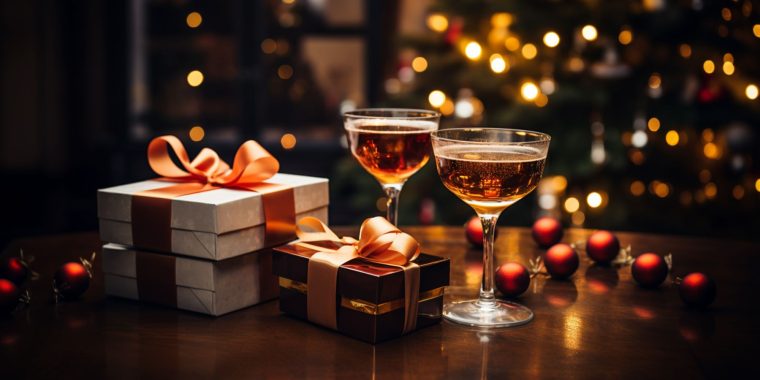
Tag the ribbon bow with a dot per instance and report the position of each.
(379, 242)
(252, 163)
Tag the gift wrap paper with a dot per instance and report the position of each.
(203, 286)
(217, 224)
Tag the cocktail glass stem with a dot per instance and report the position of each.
(392, 191)
(487, 299)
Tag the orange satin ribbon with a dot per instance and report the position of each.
(379, 242)
(252, 163)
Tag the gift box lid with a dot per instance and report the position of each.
(216, 211)
(362, 279)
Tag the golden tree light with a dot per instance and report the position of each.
(655, 80)
(194, 78)
(194, 19)
(419, 64)
(572, 204)
(473, 50)
(529, 91)
(512, 43)
(288, 141)
(285, 72)
(438, 22)
(738, 192)
(757, 185)
(711, 190)
(529, 51)
(672, 138)
(268, 46)
(436, 98)
(708, 135)
(709, 66)
(728, 57)
(501, 20)
(726, 14)
(447, 108)
(756, 30)
(541, 100)
(653, 124)
(625, 37)
(594, 199)
(728, 68)
(751, 91)
(711, 151)
(638, 188)
(197, 133)
(551, 39)
(498, 63)
(589, 33)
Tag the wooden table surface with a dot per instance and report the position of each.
(598, 325)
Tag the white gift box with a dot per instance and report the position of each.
(216, 224)
(203, 286)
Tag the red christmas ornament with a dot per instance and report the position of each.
(512, 279)
(14, 269)
(547, 231)
(9, 296)
(473, 230)
(602, 247)
(649, 270)
(697, 289)
(73, 278)
(561, 261)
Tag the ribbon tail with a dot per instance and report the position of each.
(411, 296)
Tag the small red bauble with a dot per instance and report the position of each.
(473, 230)
(9, 296)
(71, 280)
(561, 261)
(512, 279)
(602, 247)
(697, 289)
(547, 231)
(14, 269)
(649, 270)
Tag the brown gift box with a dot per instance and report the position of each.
(370, 296)
(203, 286)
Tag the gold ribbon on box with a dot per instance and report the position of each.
(252, 166)
(379, 242)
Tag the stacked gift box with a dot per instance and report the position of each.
(185, 243)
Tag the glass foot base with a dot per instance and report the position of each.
(494, 314)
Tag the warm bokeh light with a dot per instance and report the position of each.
(738, 192)
(726, 14)
(541, 100)
(594, 199)
(437, 22)
(285, 72)
(447, 108)
(625, 37)
(638, 188)
(436, 98)
(473, 50)
(709, 66)
(288, 141)
(194, 19)
(684, 50)
(548, 86)
(501, 20)
(419, 64)
(711, 151)
(551, 39)
(578, 218)
(704, 176)
(529, 51)
(708, 134)
(757, 185)
(639, 139)
(660, 189)
(655, 80)
(728, 57)
(589, 32)
(498, 63)
(268, 46)
(653, 124)
(756, 30)
(197, 133)
(728, 68)
(512, 43)
(529, 91)
(195, 78)
(751, 91)
(672, 138)
(711, 190)
(572, 204)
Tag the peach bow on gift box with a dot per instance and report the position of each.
(379, 242)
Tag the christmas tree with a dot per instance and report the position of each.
(652, 106)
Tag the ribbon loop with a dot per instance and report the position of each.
(252, 164)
